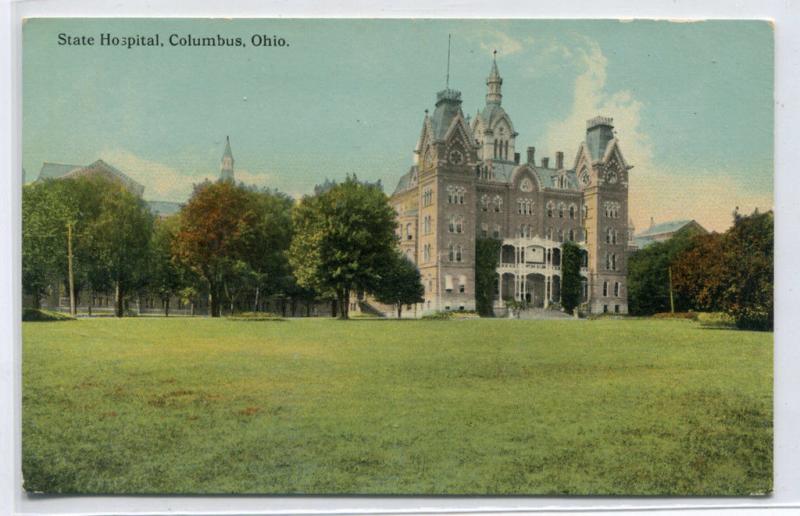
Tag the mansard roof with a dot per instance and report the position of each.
(405, 181)
(504, 172)
(448, 108)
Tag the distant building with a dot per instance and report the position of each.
(98, 168)
(665, 231)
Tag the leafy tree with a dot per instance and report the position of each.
(118, 242)
(233, 237)
(44, 239)
(487, 257)
(648, 276)
(400, 283)
(698, 272)
(341, 238)
(749, 265)
(570, 276)
(166, 278)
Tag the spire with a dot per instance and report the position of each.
(447, 78)
(226, 167)
(494, 83)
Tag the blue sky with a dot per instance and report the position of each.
(692, 102)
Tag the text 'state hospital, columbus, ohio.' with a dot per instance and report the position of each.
(468, 181)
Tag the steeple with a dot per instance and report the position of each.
(494, 83)
(226, 168)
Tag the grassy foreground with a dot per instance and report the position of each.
(196, 405)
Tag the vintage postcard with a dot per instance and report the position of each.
(397, 257)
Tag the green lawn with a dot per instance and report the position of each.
(194, 405)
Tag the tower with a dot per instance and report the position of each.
(492, 126)
(603, 175)
(226, 167)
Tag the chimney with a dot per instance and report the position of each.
(559, 160)
(531, 155)
(516, 158)
(545, 162)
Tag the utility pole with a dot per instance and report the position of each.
(671, 299)
(72, 310)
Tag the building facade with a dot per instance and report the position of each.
(467, 182)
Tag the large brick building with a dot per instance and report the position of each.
(468, 181)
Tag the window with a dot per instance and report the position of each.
(426, 225)
(451, 225)
(605, 309)
(459, 225)
(609, 232)
(498, 204)
(409, 235)
(459, 252)
(605, 289)
(561, 208)
(484, 230)
(427, 197)
(584, 211)
(426, 253)
(571, 235)
(485, 203)
(613, 262)
(560, 235)
(451, 253)
(549, 233)
(616, 289)
(462, 284)
(572, 211)
(496, 232)
(448, 283)
(550, 208)
(616, 309)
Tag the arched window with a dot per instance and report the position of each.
(561, 208)
(485, 203)
(571, 235)
(616, 289)
(498, 204)
(550, 208)
(451, 252)
(459, 225)
(451, 225)
(613, 262)
(459, 251)
(609, 233)
(409, 236)
(605, 289)
(572, 211)
(495, 149)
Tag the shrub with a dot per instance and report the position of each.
(716, 320)
(438, 316)
(692, 316)
(39, 315)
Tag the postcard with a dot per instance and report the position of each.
(397, 257)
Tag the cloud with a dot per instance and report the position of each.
(656, 190)
(491, 40)
(166, 183)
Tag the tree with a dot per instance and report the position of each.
(487, 257)
(570, 276)
(44, 243)
(118, 241)
(698, 273)
(341, 238)
(648, 276)
(749, 266)
(165, 278)
(216, 226)
(400, 283)
(233, 237)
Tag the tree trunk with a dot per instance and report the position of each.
(72, 308)
(215, 305)
(333, 306)
(255, 304)
(118, 300)
(166, 307)
(344, 302)
(399, 310)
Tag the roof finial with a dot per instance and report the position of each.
(447, 79)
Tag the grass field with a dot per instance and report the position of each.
(194, 405)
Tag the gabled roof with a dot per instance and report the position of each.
(56, 170)
(61, 170)
(664, 227)
(448, 108)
